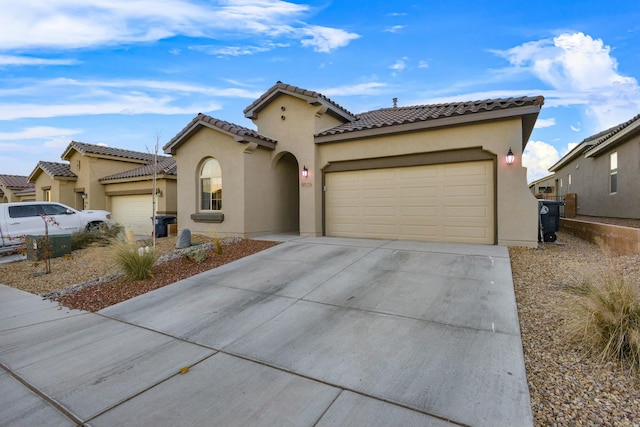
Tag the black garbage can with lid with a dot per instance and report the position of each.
(162, 221)
(549, 219)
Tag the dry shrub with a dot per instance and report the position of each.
(605, 318)
(197, 255)
(136, 263)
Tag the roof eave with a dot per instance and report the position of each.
(571, 155)
(173, 145)
(531, 112)
(617, 138)
(254, 109)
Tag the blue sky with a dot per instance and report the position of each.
(128, 73)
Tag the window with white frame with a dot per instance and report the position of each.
(211, 186)
(613, 173)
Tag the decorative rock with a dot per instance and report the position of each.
(184, 239)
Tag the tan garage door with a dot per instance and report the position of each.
(443, 203)
(133, 212)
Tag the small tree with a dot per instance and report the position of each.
(46, 244)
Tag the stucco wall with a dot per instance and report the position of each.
(516, 206)
(230, 154)
(590, 181)
(295, 134)
(61, 189)
(90, 171)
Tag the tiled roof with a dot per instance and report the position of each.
(26, 191)
(106, 151)
(166, 166)
(609, 133)
(283, 87)
(15, 182)
(591, 143)
(402, 115)
(55, 169)
(203, 119)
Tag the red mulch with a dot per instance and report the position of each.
(97, 297)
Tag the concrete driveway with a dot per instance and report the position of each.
(312, 332)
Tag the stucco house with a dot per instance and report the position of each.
(544, 188)
(118, 180)
(426, 172)
(604, 172)
(15, 188)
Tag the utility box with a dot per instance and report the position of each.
(59, 245)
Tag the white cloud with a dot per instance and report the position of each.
(582, 72)
(231, 50)
(545, 123)
(38, 132)
(575, 128)
(71, 24)
(423, 64)
(538, 157)
(399, 65)
(28, 60)
(57, 142)
(42, 98)
(570, 146)
(394, 29)
(370, 88)
(325, 39)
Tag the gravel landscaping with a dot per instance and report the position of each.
(567, 387)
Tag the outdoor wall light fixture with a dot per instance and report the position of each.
(510, 157)
(305, 172)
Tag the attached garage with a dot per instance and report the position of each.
(452, 202)
(134, 212)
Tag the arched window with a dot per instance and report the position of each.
(211, 186)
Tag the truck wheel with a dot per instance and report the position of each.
(550, 237)
(94, 226)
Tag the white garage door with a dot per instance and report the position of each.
(134, 213)
(442, 203)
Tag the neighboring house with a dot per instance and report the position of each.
(130, 194)
(15, 188)
(100, 177)
(54, 182)
(604, 172)
(544, 188)
(427, 172)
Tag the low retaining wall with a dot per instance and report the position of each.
(621, 240)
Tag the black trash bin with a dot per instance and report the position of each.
(549, 220)
(162, 221)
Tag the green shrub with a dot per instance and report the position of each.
(605, 319)
(196, 255)
(102, 236)
(135, 262)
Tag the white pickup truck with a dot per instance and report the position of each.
(28, 219)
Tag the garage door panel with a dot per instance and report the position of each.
(465, 232)
(451, 202)
(134, 212)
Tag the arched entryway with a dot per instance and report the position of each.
(288, 196)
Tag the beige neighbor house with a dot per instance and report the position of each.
(100, 177)
(603, 171)
(544, 188)
(15, 188)
(427, 172)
